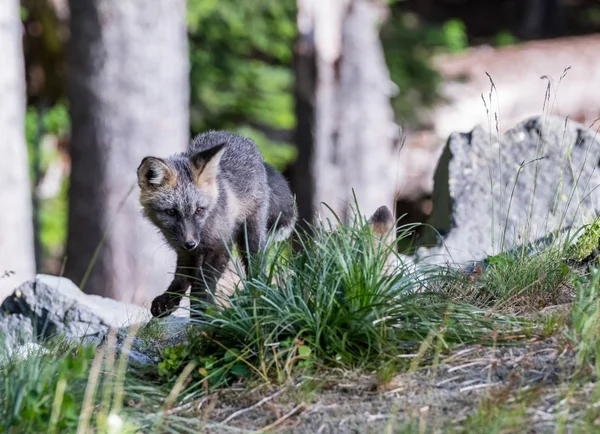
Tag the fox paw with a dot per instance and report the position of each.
(163, 305)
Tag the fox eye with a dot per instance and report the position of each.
(171, 212)
(200, 211)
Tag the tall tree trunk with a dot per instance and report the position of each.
(129, 97)
(345, 132)
(542, 19)
(16, 228)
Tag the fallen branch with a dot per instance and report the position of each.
(283, 418)
(252, 407)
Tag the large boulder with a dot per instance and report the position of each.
(50, 305)
(492, 195)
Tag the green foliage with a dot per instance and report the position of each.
(505, 38)
(24, 12)
(53, 221)
(408, 46)
(586, 243)
(278, 154)
(64, 387)
(500, 260)
(214, 366)
(241, 76)
(592, 16)
(55, 123)
(41, 392)
(173, 359)
(455, 35)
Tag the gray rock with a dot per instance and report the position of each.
(28, 349)
(491, 196)
(154, 336)
(15, 330)
(52, 305)
(141, 352)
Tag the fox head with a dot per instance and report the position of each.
(179, 193)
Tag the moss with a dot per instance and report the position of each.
(587, 243)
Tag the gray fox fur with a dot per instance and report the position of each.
(216, 194)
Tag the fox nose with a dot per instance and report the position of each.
(190, 245)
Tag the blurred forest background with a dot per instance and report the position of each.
(109, 81)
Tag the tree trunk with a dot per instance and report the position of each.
(345, 124)
(129, 97)
(542, 19)
(16, 228)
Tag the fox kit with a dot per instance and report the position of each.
(218, 193)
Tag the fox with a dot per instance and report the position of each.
(216, 194)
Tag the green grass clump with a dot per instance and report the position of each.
(61, 387)
(41, 392)
(518, 279)
(333, 301)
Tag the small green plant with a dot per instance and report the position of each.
(214, 366)
(173, 359)
(500, 260)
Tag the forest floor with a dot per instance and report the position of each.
(328, 340)
(525, 384)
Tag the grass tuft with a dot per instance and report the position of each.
(337, 300)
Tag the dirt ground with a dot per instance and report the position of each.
(426, 400)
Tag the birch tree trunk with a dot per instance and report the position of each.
(129, 97)
(17, 261)
(345, 132)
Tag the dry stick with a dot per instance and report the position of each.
(282, 419)
(252, 407)
(181, 408)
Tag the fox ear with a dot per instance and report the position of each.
(382, 221)
(154, 172)
(206, 164)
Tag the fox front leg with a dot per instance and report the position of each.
(212, 268)
(165, 303)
